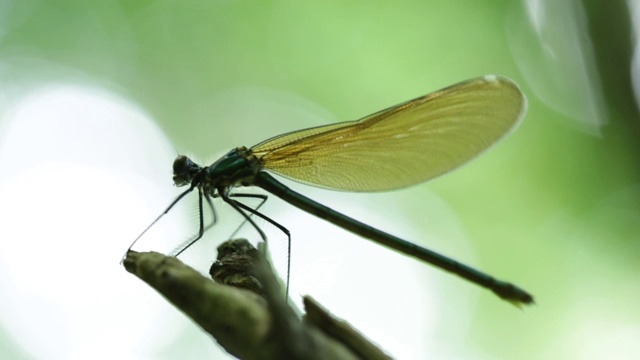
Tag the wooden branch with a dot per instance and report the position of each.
(253, 321)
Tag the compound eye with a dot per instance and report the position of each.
(181, 164)
(184, 170)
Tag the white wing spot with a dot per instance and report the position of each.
(491, 78)
(400, 136)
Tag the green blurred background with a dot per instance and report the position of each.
(554, 208)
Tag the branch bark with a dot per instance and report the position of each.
(252, 321)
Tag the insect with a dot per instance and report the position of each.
(400, 146)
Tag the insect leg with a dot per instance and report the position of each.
(240, 207)
(263, 199)
(158, 218)
(185, 245)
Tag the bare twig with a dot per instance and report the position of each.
(250, 324)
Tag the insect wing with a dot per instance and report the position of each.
(403, 145)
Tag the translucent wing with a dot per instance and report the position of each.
(403, 145)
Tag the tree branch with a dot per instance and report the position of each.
(253, 321)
